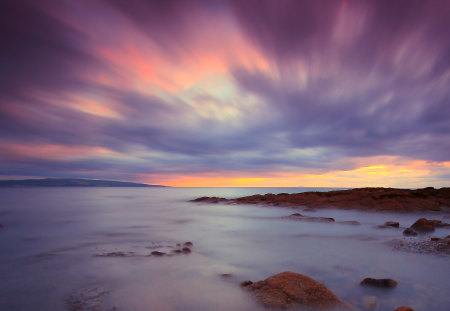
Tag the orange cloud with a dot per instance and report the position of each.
(394, 172)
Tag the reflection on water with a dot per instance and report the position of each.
(51, 237)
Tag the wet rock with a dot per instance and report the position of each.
(188, 244)
(209, 200)
(116, 254)
(246, 283)
(404, 308)
(298, 216)
(423, 225)
(434, 239)
(288, 289)
(186, 250)
(157, 253)
(394, 224)
(369, 302)
(436, 246)
(409, 232)
(350, 222)
(382, 283)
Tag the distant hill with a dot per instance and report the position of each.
(70, 182)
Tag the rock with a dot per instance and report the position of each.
(392, 224)
(350, 222)
(288, 288)
(409, 232)
(369, 302)
(298, 216)
(434, 239)
(246, 283)
(404, 308)
(186, 250)
(227, 275)
(423, 225)
(189, 244)
(379, 199)
(383, 283)
(116, 254)
(209, 200)
(177, 251)
(157, 254)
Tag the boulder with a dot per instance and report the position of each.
(410, 232)
(288, 289)
(382, 283)
(404, 308)
(394, 224)
(189, 244)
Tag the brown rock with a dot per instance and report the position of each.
(423, 225)
(383, 283)
(227, 275)
(288, 288)
(246, 283)
(392, 224)
(189, 244)
(404, 308)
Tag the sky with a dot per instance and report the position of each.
(247, 93)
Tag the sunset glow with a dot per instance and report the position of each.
(227, 93)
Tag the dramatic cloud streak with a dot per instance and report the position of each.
(255, 93)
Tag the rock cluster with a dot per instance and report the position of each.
(381, 199)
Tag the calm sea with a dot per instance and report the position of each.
(87, 248)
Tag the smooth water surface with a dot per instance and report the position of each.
(51, 237)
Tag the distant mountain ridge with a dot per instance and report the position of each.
(70, 182)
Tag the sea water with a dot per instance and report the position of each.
(55, 243)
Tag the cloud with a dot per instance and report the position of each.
(148, 88)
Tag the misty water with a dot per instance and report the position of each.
(53, 243)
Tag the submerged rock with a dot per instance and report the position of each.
(382, 283)
(92, 299)
(404, 308)
(186, 250)
(116, 254)
(157, 253)
(298, 216)
(394, 224)
(369, 302)
(409, 232)
(227, 275)
(189, 244)
(288, 289)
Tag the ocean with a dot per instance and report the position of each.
(87, 249)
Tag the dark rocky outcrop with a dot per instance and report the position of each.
(404, 308)
(380, 199)
(288, 289)
(382, 283)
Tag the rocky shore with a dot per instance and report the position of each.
(378, 199)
